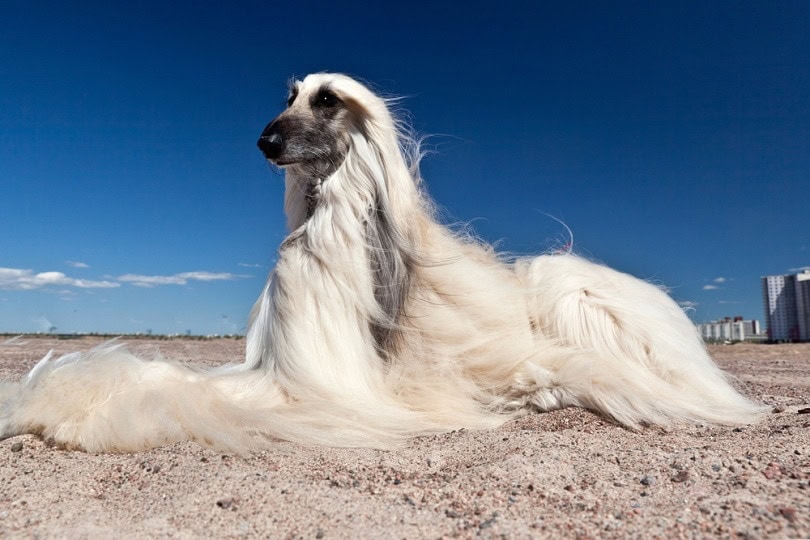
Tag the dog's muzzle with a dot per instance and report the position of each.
(271, 143)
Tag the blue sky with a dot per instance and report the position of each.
(671, 137)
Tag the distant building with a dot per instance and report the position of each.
(787, 306)
(803, 304)
(730, 329)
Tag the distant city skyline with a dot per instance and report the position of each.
(670, 137)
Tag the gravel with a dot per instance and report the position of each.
(567, 473)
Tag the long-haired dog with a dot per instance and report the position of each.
(379, 323)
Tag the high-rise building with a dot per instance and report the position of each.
(730, 329)
(803, 304)
(787, 306)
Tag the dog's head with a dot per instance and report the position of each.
(313, 134)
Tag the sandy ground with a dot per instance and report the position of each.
(562, 474)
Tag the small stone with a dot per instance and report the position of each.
(778, 409)
(227, 503)
(319, 534)
(738, 430)
(682, 476)
(788, 513)
(647, 480)
(489, 522)
(806, 410)
(773, 470)
(17, 446)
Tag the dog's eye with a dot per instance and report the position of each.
(325, 98)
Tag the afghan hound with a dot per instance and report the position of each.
(378, 323)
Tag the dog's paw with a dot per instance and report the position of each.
(537, 386)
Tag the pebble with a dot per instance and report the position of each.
(682, 476)
(773, 470)
(806, 410)
(788, 513)
(433, 460)
(226, 504)
(647, 480)
(17, 446)
(489, 522)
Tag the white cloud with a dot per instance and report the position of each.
(250, 265)
(798, 270)
(17, 279)
(177, 279)
(77, 264)
(710, 287)
(25, 280)
(720, 279)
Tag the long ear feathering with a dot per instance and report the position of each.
(385, 153)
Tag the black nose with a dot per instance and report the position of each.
(271, 143)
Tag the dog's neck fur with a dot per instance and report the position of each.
(342, 274)
(311, 195)
(301, 196)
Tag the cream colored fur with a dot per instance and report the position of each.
(478, 341)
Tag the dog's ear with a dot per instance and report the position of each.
(360, 114)
(391, 268)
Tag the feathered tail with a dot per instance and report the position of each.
(110, 400)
